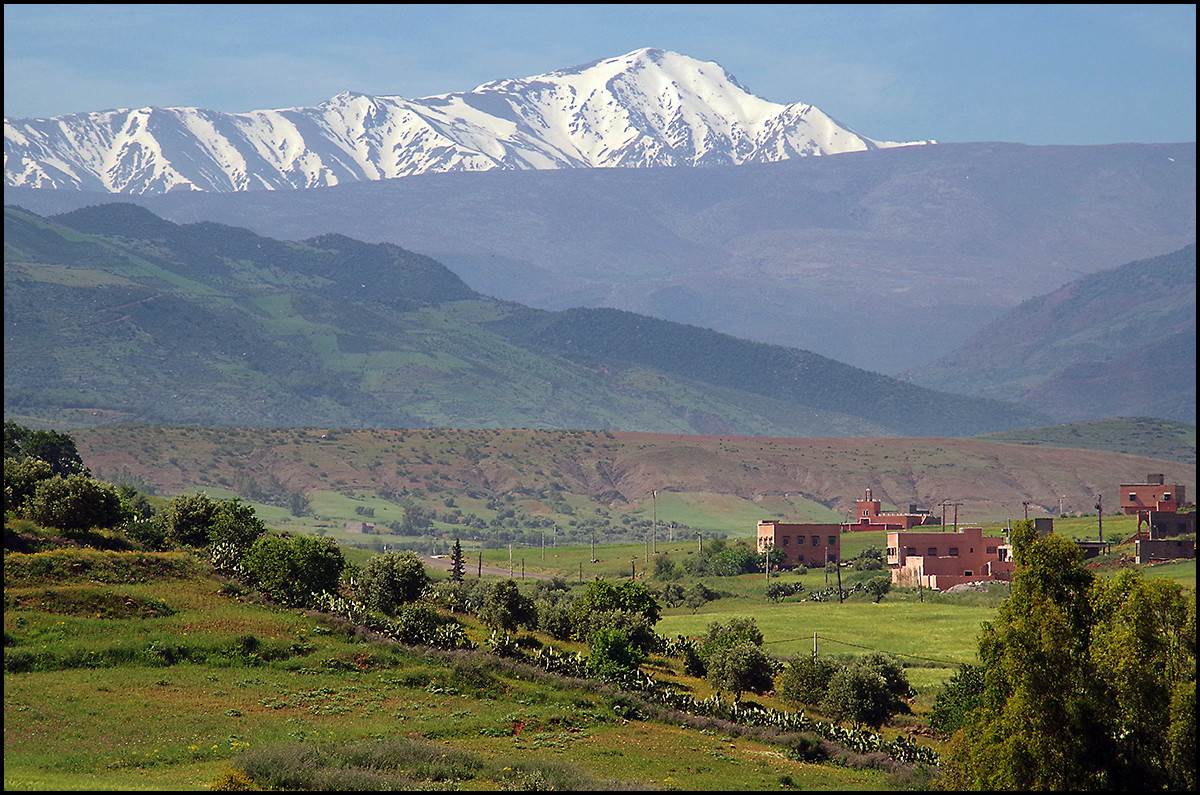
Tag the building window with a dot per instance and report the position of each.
(799, 558)
(816, 541)
(891, 552)
(910, 550)
(786, 540)
(1166, 496)
(833, 541)
(954, 552)
(932, 552)
(991, 550)
(800, 540)
(1132, 496)
(968, 574)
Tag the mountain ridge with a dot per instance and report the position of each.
(831, 254)
(1123, 336)
(648, 108)
(258, 332)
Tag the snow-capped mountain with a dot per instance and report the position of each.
(647, 108)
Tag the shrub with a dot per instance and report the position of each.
(390, 580)
(507, 608)
(187, 519)
(612, 655)
(805, 679)
(21, 479)
(234, 523)
(75, 503)
(957, 698)
(739, 668)
(292, 569)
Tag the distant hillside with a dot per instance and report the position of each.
(1118, 343)
(561, 478)
(113, 314)
(885, 259)
(1153, 438)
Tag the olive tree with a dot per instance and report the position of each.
(75, 503)
(390, 580)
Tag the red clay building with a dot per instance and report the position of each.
(942, 560)
(802, 544)
(1153, 495)
(868, 515)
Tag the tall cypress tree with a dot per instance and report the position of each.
(457, 566)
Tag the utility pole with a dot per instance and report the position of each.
(1100, 514)
(1026, 504)
(839, 572)
(654, 524)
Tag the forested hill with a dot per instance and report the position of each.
(114, 314)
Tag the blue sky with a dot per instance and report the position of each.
(1034, 74)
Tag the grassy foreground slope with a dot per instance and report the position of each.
(132, 670)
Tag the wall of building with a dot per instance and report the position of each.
(942, 560)
(806, 544)
(1164, 549)
(1153, 496)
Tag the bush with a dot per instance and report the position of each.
(292, 569)
(187, 519)
(805, 680)
(505, 607)
(612, 655)
(21, 479)
(868, 692)
(390, 580)
(75, 503)
(739, 668)
(956, 700)
(234, 523)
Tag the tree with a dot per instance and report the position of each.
(857, 695)
(390, 580)
(21, 478)
(598, 605)
(1143, 646)
(235, 523)
(612, 655)
(806, 678)
(457, 565)
(292, 569)
(56, 449)
(957, 700)
(187, 519)
(1082, 681)
(75, 503)
(505, 607)
(869, 691)
(739, 668)
(878, 587)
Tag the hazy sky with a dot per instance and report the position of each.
(1035, 74)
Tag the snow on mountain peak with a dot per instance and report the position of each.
(646, 108)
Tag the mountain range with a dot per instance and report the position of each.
(1124, 337)
(647, 108)
(886, 259)
(113, 314)
(889, 258)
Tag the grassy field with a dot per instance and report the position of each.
(119, 680)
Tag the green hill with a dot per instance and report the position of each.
(113, 314)
(1145, 436)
